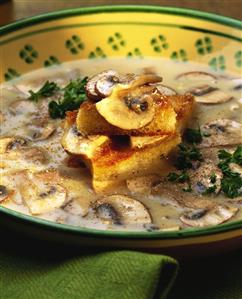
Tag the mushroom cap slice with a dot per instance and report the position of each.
(76, 144)
(101, 85)
(41, 196)
(206, 94)
(196, 76)
(222, 132)
(206, 217)
(164, 89)
(122, 209)
(5, 193)
(139, 142)
(200, 178)
(11, 143)
(105, 81)
(128, 110)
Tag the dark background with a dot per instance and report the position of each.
(13, 10)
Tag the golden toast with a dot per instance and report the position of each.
(171, 115)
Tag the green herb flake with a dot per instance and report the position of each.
(213, 178)
(193, 135)
(231, 183)
(186, 155)
(187, 189)
(232, 187)
(74, 96)
(176, 177)
(210, 190)
(47, 90)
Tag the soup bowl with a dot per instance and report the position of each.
(122, 31)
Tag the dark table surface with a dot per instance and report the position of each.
(13, 10)
(197, 278)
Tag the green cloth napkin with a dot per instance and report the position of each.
(30, 270)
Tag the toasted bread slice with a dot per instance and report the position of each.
(111, 163)
(89, 121)
(171, 115)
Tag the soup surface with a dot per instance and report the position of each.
(175, 197)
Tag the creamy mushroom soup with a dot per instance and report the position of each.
(197, 184)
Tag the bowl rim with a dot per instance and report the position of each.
(180, 234)
(65, 13)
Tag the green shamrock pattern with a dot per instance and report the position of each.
(74, 44)
(97, 53)
(116, 41)
(28, 54)
(179, 55)
(204, 45)
(218, 63)
(159, 43)
(52, 60)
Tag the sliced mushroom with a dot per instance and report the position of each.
(22, 107)
(206, 94)
(76, 144)
(196, 76)
(237, 84)
(172, 192)
(221, 132)
(32, 158)
(40, 127)
(142, 185)
(102, 84)
(208, 175)
(128, 110)
(5, 193)
(137, 142)
(38, 133)
(11, 143)
(121, 209)
(73, 207)
(40, 196)
(206, 217)
(79, 195)
(165, 90)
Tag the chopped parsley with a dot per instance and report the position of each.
(47, 90)
(74, 95)
(176, 177)
(231, 183)
(186, 155)
(193, 135)
(210, 190)
(188, 188)
(213, 178)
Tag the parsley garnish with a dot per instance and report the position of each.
(74, 95)
(193, 135)
(188, 188)
(213, 178)
(176, 177)
(47, 90)
(231, 183)
(186, 155)
(210, 190)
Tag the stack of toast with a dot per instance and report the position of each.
(126, 128)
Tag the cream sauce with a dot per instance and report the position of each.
(18, 119)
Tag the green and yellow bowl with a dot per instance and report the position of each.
(127, 31)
